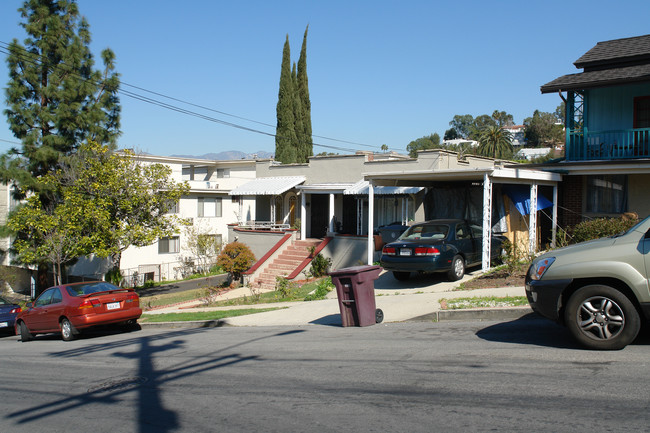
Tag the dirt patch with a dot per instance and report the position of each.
(499, 278)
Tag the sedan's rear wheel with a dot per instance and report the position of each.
(601, 317)
(67, 330)
(25, 335)
(401, 276)
(457, 270)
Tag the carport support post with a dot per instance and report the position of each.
(554, 229)
(532, 230)
(303, 215)
(371, 222)
(487, 222)
(331, 228)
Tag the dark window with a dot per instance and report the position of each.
(169, 245)
(44, 299)
(607, 194)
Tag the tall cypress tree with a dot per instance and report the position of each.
(285, 134)
(55, 97)
(298, 127)
(303, 92)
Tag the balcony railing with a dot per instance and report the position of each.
(607, 145)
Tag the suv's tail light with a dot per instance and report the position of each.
(426, 251)
(389, 251)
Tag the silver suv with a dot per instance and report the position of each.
(598, 289)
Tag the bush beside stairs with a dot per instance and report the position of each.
(285, 263)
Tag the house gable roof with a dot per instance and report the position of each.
(609, 63)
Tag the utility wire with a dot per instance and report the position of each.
(32, 58)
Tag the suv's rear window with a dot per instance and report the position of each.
(88, 289)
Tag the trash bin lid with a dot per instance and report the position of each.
(354, 270)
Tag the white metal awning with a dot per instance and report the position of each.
(268, 185)
(361, 188)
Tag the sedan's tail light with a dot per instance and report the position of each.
(426, 251)
(389, 251)
(131, 297)
(16, 310)
(90, 303)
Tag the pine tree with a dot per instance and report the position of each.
(303, 91)
(56, 99)
(285, 134)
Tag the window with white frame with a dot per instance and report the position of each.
(223, 173)
(172, 207)
(209, 207)
(169, 245)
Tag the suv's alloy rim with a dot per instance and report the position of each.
(601, 318)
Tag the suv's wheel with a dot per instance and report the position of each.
(457, 270)
(601, 317)
(401, 276)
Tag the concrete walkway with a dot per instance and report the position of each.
(415, 299)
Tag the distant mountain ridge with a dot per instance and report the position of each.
(230, 155)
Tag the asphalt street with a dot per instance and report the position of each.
(518, 375)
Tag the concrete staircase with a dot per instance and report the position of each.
(285, 263)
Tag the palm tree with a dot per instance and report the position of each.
(495, 142)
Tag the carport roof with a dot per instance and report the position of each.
(510, 175)
(268, 185)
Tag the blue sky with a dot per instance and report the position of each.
(380, 72)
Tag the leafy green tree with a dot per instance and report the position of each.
(57, 232)
(543, 129)
(463, 125)
(102, 203)
(134, 196)
(384, 148)
(303, 92)
(560, 113)
(285, 134)
(495, 142)
(427, 142)
(451, 134)
(502, 118)
(55, 98)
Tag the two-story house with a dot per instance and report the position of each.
(606, 168)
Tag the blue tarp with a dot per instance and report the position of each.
(520, 196)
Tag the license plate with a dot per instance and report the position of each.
(4, 324)
(404, 252)
(113, 306)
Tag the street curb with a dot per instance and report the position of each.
(437, 316)
(478, 314)
(186, 325)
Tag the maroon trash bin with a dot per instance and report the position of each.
(355, 289)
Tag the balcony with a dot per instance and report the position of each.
(586, 145)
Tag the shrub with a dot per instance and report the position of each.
(322, 289)
(284, 287)
(601, 227)
(319, 264)
(235, 258)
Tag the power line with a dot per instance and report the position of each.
(31, 58)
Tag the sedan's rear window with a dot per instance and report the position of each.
(426, 231)
(88, 289)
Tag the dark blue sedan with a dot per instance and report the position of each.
(437, 246)
(8, 313)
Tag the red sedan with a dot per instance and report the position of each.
(70, 308)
